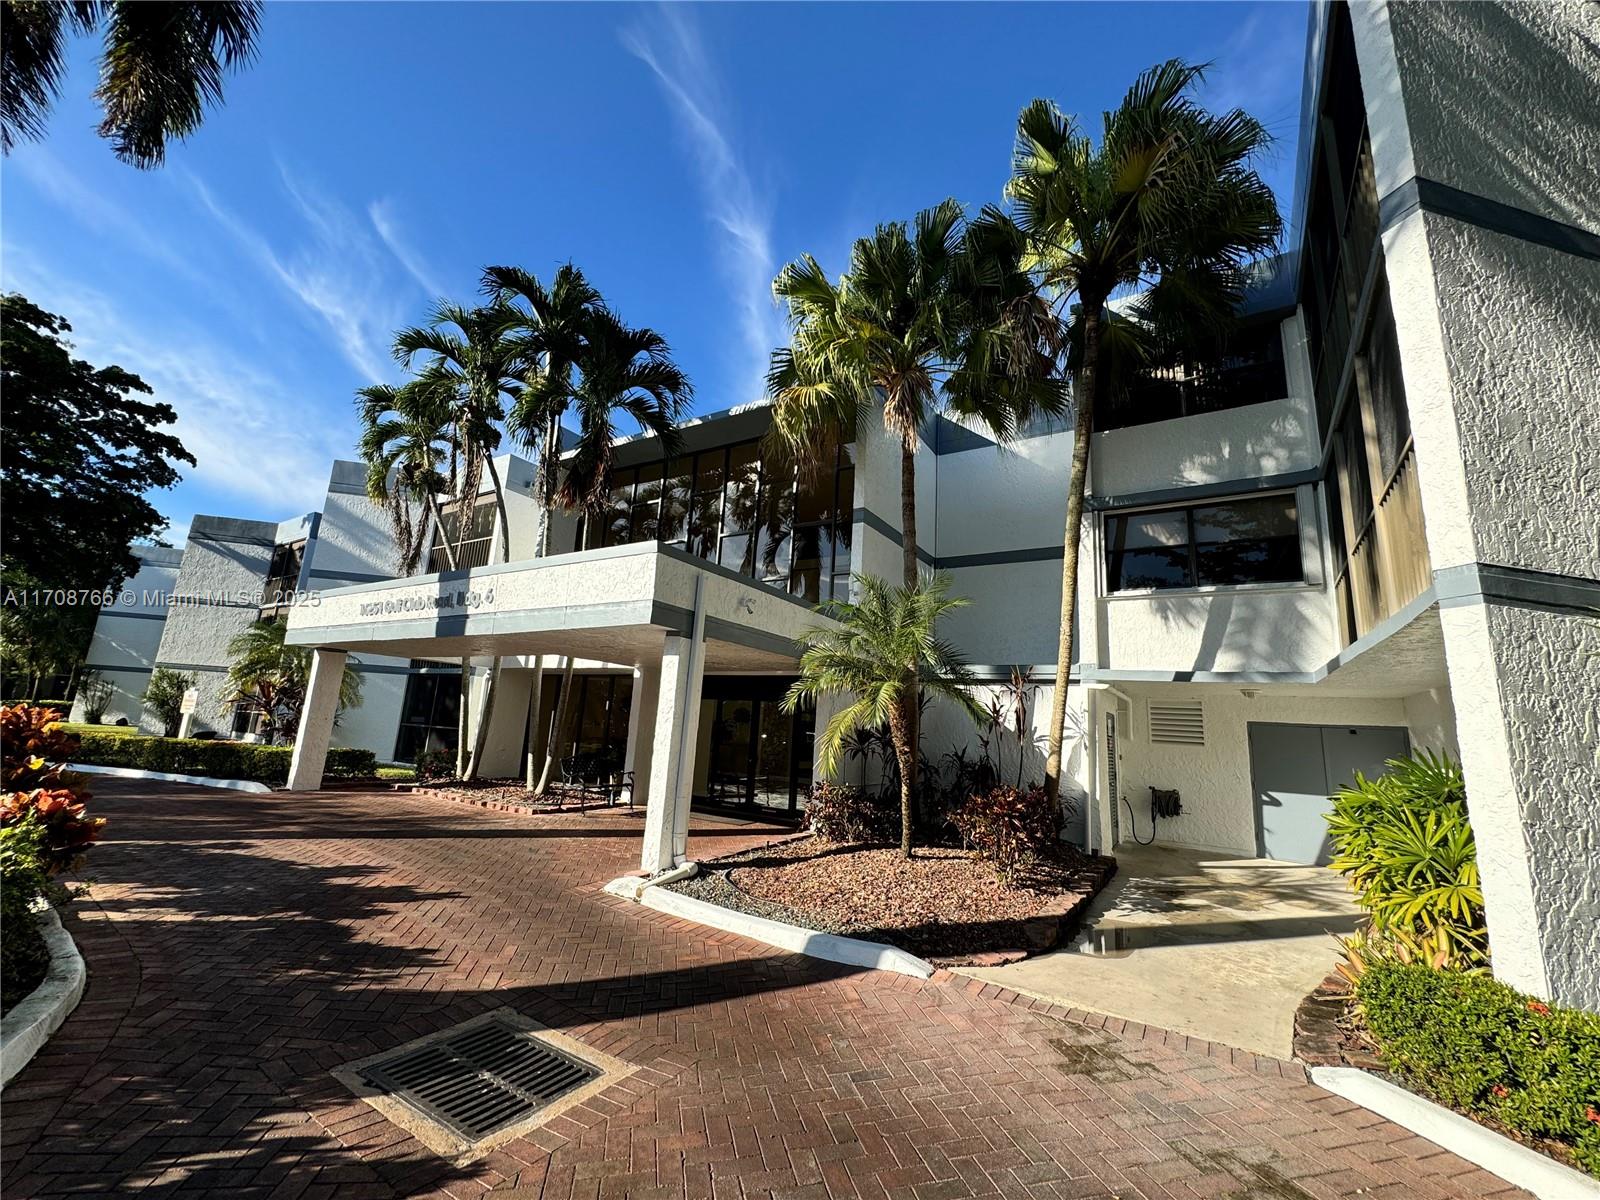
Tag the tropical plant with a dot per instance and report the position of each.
(406, 439)
(96, 694)
(1404, 840)
(271, 679)
(1009, 826)
(615, 371)
(924, 320)
(1167, 204)
(842, 813)
(871, 653)
(552, 326)
(39, 788)
(163, 696)
(161, 66)
(473, 359)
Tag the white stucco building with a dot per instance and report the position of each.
(1370, 524)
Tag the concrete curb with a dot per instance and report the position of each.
(28, 1026)
(237, 785)
(852, 951)
(1511, 1161)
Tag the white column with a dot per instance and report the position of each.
(677, 717)
(316, 720)
(641, 726)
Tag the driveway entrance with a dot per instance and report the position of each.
(1220, 948)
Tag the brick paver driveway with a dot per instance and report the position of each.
(240, 947)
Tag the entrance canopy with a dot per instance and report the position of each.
(612, 605)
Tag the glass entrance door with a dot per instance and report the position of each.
(754, 756)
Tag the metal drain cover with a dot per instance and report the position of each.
(480, 1079)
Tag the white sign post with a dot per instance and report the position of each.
(191, 701)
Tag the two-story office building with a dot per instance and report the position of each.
(1369, 524)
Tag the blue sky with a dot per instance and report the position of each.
(378, 155)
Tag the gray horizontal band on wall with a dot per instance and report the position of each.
(194, 601)
(204, 668)
(1472, 209)
(347, 489)
(102, 667)
(1516, 587)
(865, 516)
(351, 576)
(132, 616)
(1207, 491)
(222, 539)
(993, 558)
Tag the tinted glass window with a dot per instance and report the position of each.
(1241, 541)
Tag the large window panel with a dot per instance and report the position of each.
(1247, 541)
(1148, 550)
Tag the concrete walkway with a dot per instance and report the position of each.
(241, 948)
(1218, 948)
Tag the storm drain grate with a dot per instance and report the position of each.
(480, 1079)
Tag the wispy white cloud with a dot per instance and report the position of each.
(254, 436)
(671, 46)
(340, 274)
(387, 222)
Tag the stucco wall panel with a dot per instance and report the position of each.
(1014, 615)
(1274, 438)
(1501, 100)
(1270, 629)
(1213, 780)
(1521, 327)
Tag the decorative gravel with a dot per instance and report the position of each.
(945, 905)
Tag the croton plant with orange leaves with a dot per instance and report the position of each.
(34, 752)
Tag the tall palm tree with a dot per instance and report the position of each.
(925, 319)
(406, 437)
(616, 371)
(272, 679)
(1167, 203)
(161, 66)
(552, 329)
(872, 655)
(472, 356)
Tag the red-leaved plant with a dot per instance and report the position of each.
(34, 751)
(1009, 826)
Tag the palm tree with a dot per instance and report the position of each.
(405, 440)
(271, 678)
(473, 358)
(1169, 203)
(872, 655)
(161, 66)
(926, 318)
(552, 329)
(616, 370)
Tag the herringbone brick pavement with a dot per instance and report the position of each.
(240, 947)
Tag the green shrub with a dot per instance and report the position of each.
(838, 812)
(397, 774)
(216, 759)
(1405, 842)
(24, 958)
(1482, 1047)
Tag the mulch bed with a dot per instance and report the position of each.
(945, 905)
(507, 795)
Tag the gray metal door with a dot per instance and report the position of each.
(1293, 771)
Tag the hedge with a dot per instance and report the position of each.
(217, 759)
(1484, 1048)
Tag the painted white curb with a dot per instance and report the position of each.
(238, 785)
(1511, 1161)
(28, 1026)
(832, 947)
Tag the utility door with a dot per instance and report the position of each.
(1294, 770)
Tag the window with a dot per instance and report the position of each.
(428, 713)
(1234, 542)
(474, 548)
(283, 574)
(1246, 368)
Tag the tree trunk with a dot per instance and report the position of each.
(1071, 537)
(912, 576)
(558, 732)
(481, 737)
(462, 723)
(902, 727)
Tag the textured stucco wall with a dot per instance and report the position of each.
(1227, 629)
(353, 542)
(1521, 333)
(217, 595)
(375, 724)
(1431, 720)
(992, 499)
(1214, 779)
(1273, 438)
(1014, 615)
(1501, 100)
(127, 636)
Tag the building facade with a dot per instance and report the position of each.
(1368, 524)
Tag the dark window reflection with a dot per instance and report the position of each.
(1241, 541)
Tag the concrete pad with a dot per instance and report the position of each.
(1214, 947)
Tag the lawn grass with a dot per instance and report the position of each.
(82, 727)
(397, 774)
